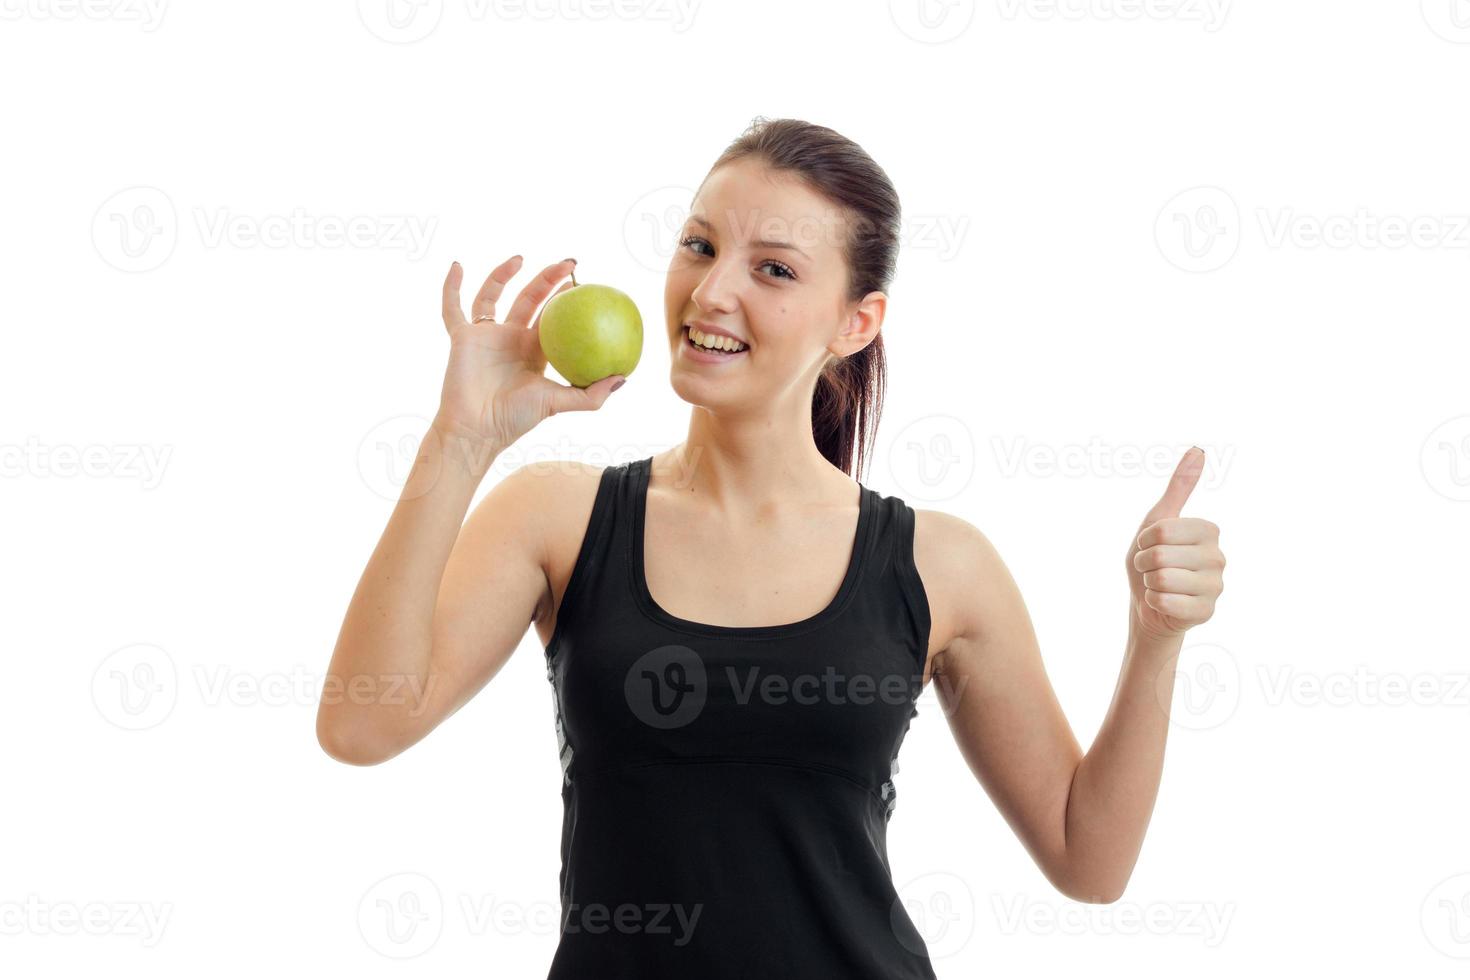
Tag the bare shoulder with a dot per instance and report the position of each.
(963, 574)
(560, 495)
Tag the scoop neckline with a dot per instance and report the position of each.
(651, 608)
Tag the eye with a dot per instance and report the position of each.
(690, 240)
(783, 271)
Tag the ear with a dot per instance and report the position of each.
(864, 320)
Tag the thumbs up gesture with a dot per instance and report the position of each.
(1175, 566)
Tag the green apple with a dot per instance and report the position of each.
(589, 332)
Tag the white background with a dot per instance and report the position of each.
(1129, 228)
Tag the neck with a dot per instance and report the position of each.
(753, 466)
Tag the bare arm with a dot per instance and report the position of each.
(1082, 817)
(993, 688)
(440, 607)
(413, 649)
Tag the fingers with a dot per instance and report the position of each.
(537, 290)
(490, 292)
(1186, 610)
(1181, 581)
(536, 324)
(567, 398)
(1181, 484)
(1178, 530)
(453, 315)
(1188, 556)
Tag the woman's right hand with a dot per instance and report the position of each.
(495, 388)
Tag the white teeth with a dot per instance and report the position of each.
(715, 341)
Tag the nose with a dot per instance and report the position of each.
(716, 291)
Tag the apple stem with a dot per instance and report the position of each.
(574, 278)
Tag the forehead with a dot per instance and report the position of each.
(747, 202)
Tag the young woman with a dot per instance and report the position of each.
(736, 630)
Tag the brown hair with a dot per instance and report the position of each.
(848, 399)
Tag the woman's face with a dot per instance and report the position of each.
(761, 257)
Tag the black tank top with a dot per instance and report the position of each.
(726, 790)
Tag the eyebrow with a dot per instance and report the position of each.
(764, 242)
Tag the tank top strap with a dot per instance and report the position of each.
(891, 590)
(602, 559)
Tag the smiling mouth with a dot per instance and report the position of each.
(709, 350)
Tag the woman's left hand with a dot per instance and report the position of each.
(1175, 566)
